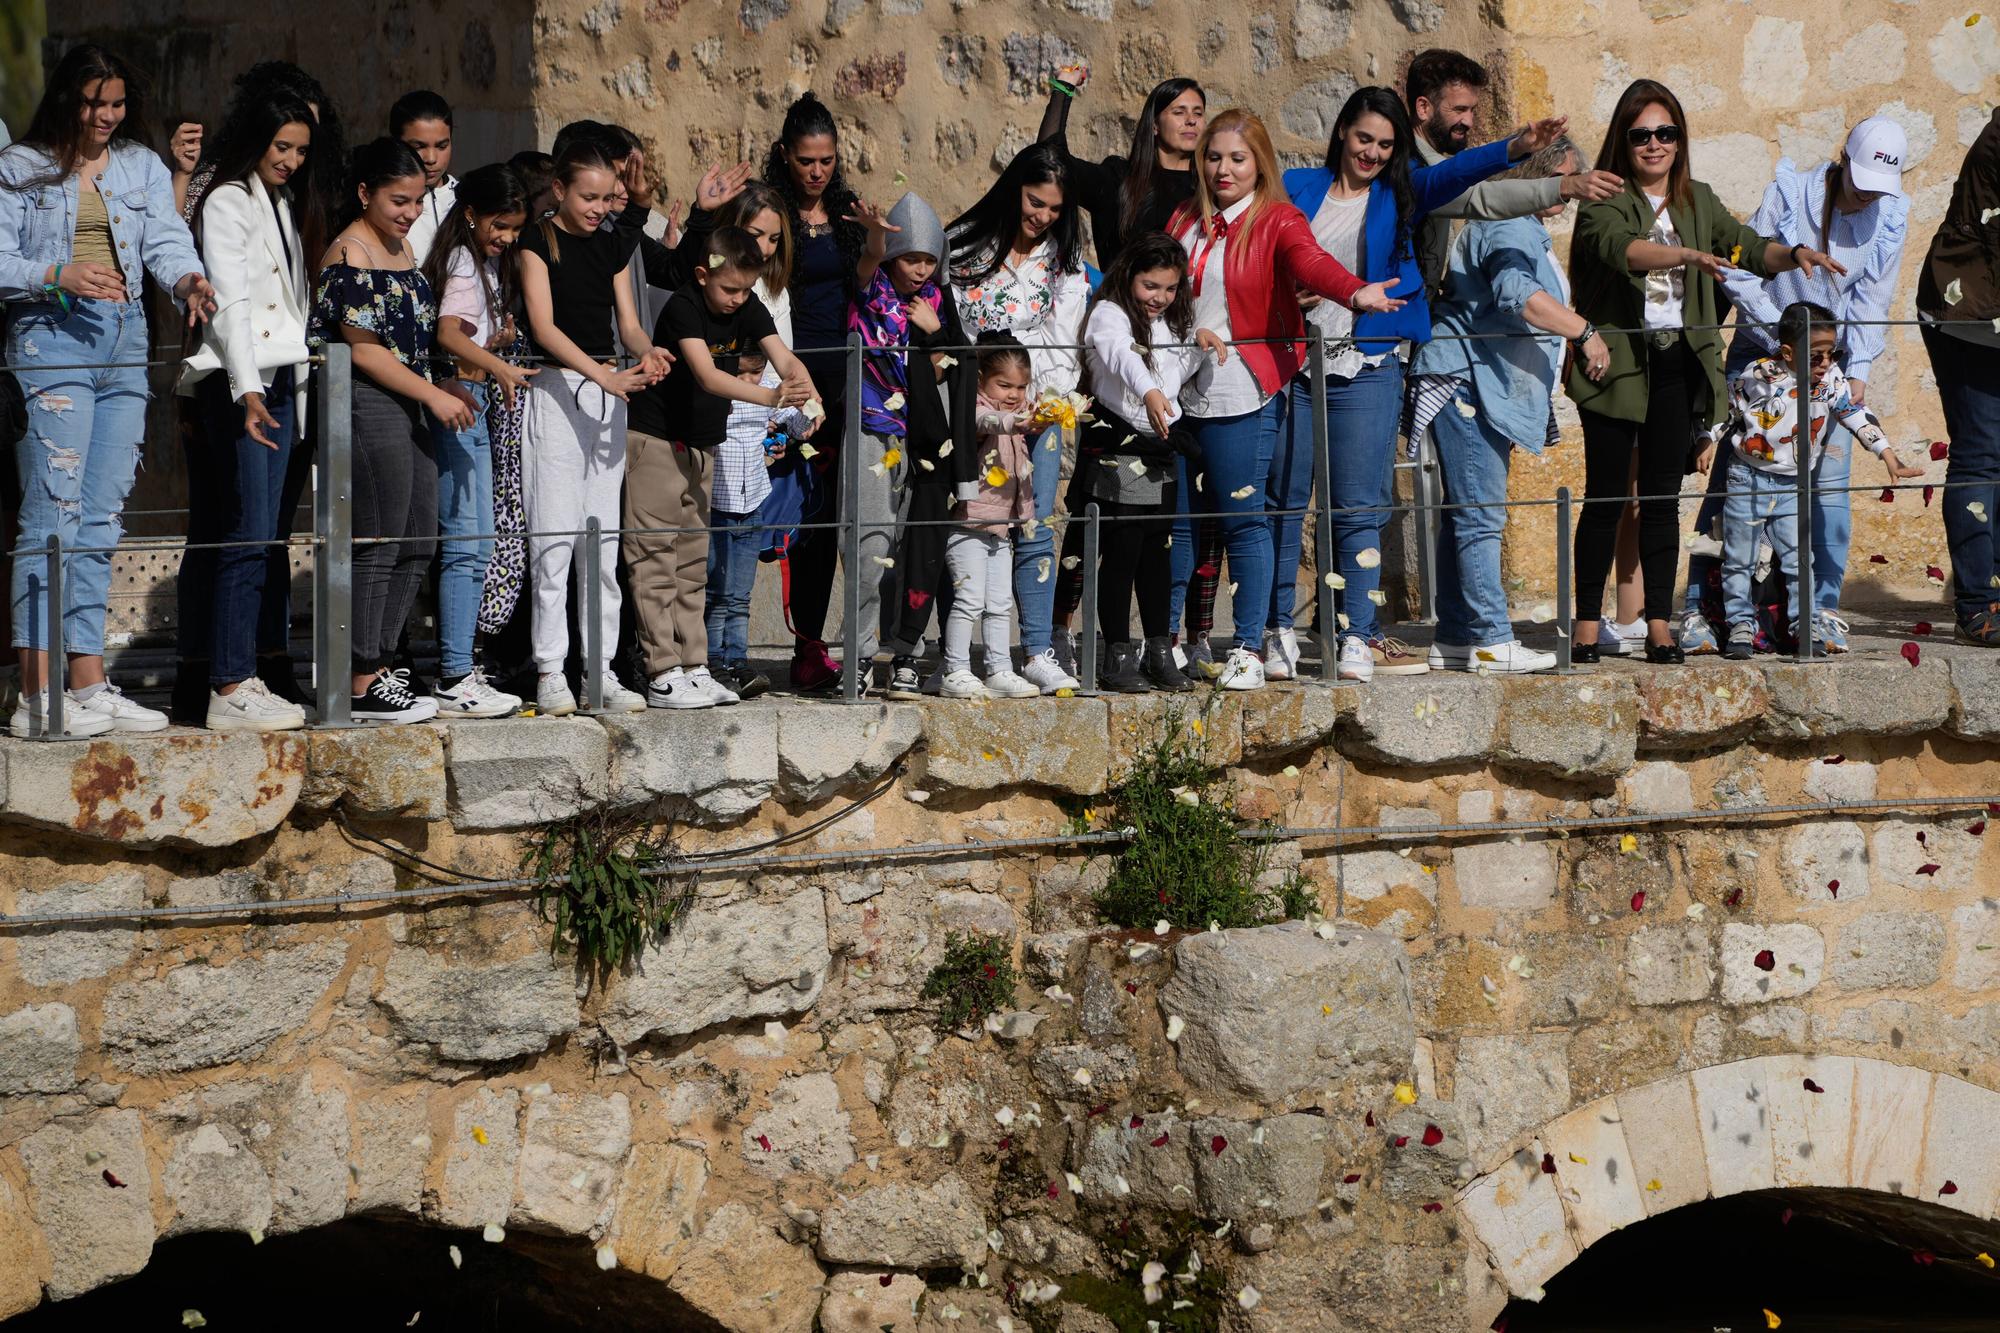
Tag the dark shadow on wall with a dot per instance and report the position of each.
(22, 25)
(1822, 1260)
(373, 1273)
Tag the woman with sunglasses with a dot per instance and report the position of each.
(1646, 265)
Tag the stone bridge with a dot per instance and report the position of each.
(1589, 949)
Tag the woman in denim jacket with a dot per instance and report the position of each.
(86, 211)
(1502, 280)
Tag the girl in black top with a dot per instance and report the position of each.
(1139, 191)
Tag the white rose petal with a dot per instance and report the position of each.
(457, 1259)
(494, 1233)
(1175, 1025)
(1075, 1185)
(1071, 561)
(1466, 410)
(1336, 582)
(1162, 926)
(944, 450)
(1249, 1297)
(893, 402)
(1082, 1076)
(1243, 494)
(607, 1258)
(1005, 1115)
(1377, 596)
(1369, 558)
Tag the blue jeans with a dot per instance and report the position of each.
(1968, 378)
(236, 493)
(77, 461)
(1236, 454)
(465, 527)
(1362, 413)
(1761, 506)
(732, 573)
(1180, 560)
(1472, 458)
(1832, 521)
(1034, 581)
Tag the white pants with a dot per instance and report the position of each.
(981, 566)
(572, 467)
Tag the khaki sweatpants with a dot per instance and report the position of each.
(666, 486)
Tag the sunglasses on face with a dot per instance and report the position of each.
(1637, 135)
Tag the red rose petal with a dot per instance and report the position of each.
(1160, 1142)
(1785, 1218)
(1949, 1187)
(1137, 1121)
(1939, 449)
(1098, 1110)
(1368, 1119)
(1933, 572)
(1639, 901)
(1993, 807)
(1217, 1144)
(1402, 1140)
(764, 1142)
(1929, 868)
(1351, 1179)
(1131, 988)
(1006, 1143)
(1833, 759)
(1833, 887)
(1976, 827)
(1735, 897)
(1765, 960)
(1055, 1189)
(1922, 627)
(1923, 838)
(1888, 497)
(1912, 654)
(113, 1181)
(1813, 1087)
(1548, 1163)
(1929, 491)
(1433, 1136)
(886, 1278)
(1878, 559)
(1434, 1207)
(1924, 1257)
(990, 971)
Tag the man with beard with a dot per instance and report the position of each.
(1443, 89)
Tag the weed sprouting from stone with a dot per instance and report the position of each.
(601, 886)
(975, 979)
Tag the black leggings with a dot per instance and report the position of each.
(395, 495)
(817, 550)
(1676, 379)
(1134, 558)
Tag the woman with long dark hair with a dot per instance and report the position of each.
(1366, 206)
(1016, 268)
(1138, 191)
(1642, 259)
(86, 212)
(248, 382)
(804, 168)
(317, 201)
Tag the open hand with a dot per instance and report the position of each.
(1532, 139)
(871, 217)
(256, 417)
(1591, 186)
(719, 185)
(1375, 299)
(199, 297)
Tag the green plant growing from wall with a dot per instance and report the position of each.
(976, 978)
(600, 884)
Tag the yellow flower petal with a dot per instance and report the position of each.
(1653, 1185)
(1771, 1319)
(996, 475)
(1406, 1093)
(1580, 1161)
(479, 1135)
(1628, 844)
(1985, 1259)
(892, 457)
(807, 451)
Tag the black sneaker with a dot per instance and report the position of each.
(904, 682)
(188, 704)
(1742, 644)
(742, 679)
(389, 699)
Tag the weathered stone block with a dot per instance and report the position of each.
(1080, 1071)
(178, 789)
(1884, 950)
(1506, 876)
(39, 1049)
(1242, 994)
(1278, 722)
(378, 772)
(1975, 698)
(869, 1300)
(1155, 1175)
(1957, 1147)
(1263, 1170)
(1884, 1151)
(475, 1010)
(95, 1233)
(1518, 1217)
(213, 1182)
(1976, 960)
(976, 914)
(1841, 782)
(24, 1258)
(306, 1154)
(740, 1273)
(1505, 1085)
(715, 765)
(60, 955)
(1821, 855)
(573, 1149)
(519, 772)
(1658, 789)
(1663, 1134)
(1809, 1128)
(1929, 856)
(824, 751)
(1733, 1104)
(804, 1131)
(480, 1160)
(1594, 1164)
(760, 957)
(197, 1015)
(654, 1225)
(1138, 723)
(1797, 956)
(1060, 744)
(392, 1149)
(1415, 722)
(1693, 710)
(901, 1225)
(1866, 698)
(1670, 965)
(1569, 726)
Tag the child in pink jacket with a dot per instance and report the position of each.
(979, 553)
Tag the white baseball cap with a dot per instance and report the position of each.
(1875, 152)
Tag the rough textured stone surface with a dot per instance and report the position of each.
(1576, 727)
(1881, 950)
(1060, 744)
(906, 1226)
(1826, 853)
(573, 1148)
(24, 1256)
(869, 1300)
(1270, 1169)
(1876, 698)
(1975, 702)
(60, 955)
(1658, 789)
(481, 1158)
(213, 1182)
(741, 1274)
(1798, 955)
(1412, 722)
(976, 914)
(713, 766)
(1669, 965)
(1687, 710)
(1976, 962)
(654, 1224)
(758, 957)
(824, 751)
(1838, 783)
(1506, 875)
(176, 789)
(306, 1153)
(39, 1049)
(377, 772)
(197, 1015)
(1504, 1085)
(95, 1234)
(1242, 994)
(518, 772)
(806, 1129)
(392, 1151)
(1153, 1177)
(479, 1011)
(1138, 722)
(1278, 722)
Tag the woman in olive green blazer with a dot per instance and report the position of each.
(1647, 261)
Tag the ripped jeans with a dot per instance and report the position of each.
(77, 461)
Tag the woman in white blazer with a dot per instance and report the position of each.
(248, 380)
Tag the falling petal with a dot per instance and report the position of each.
(812, 410)
(1929, 868)
(1197, 483)
(1162, 926)
(1433, 1136)
(944, 450)
(1922, 627)
(1175, 1026)
(1405, 1093)
(886, 561)
(892, 457)
(1075, 1184)
(1949, 1187)
(1248, 1298)
(1542, 613)
(1548, 1163)
(1811, 1086)
(1929, 491)
(1639, 901)
(479, 1135)
(1952, 290)
(1985, 1259)
(607, 1258)
(1401, 1141)
(1160, 1142)
(764, 1142)
(926, 465)
(893, 403)
(1291, 770)
(1377, 596)
(1976, 509)
(715, 261)
(1653, 1186)
(1765, 960)
(1833, 887)
(1628, 844)
(1336, 582)
(1878, 559)
(1580, 1161)
(1976, 827)
(1242, 493)
(1082, 1076)
(1216, 1145)
(1369, 558)
(457, 1259)
(192, 1319)
(494, 1233)
(1938, 450)
(1912, 654)
(1771, 1319)
(113, 1181)
(1042, 568)
(808, 452)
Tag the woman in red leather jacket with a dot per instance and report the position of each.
(1249, 252)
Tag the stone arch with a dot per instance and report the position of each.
(1717, 1131)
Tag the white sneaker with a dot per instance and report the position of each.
(718, 693)
(1046, 674)
(613, 697)
(252, 707)
(673, 689)
(125, 715)
(1006, 685)
(1614, 636)
(1357, 659)
(1501, 659)
(1281, 654)
(552, 696)
(77, 721)
(474, 696)
(1241, 670)
(964, 685)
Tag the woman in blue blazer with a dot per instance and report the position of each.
(1365, 205)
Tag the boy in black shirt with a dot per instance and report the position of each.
(672, 432)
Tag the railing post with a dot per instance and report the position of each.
(1428, 499)
(1802, 583)
(852, 667)
(56, 666)
(1086, 644)
(593, 603)
(1326, 626)
(1564, 620)
(333, 539)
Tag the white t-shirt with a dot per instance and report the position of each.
(1338, 227)
(1665, 287)
(438, 204)
(464, 295)
(1227, 390)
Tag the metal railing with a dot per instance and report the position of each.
(333, 541)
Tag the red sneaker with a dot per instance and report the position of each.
(813, 668)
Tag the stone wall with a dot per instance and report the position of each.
(761, 1118)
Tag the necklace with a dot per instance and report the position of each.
(816, 230)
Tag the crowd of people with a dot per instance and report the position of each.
(541, 351)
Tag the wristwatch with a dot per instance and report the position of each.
(1589, 332)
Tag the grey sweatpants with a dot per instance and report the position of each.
(879, 494)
